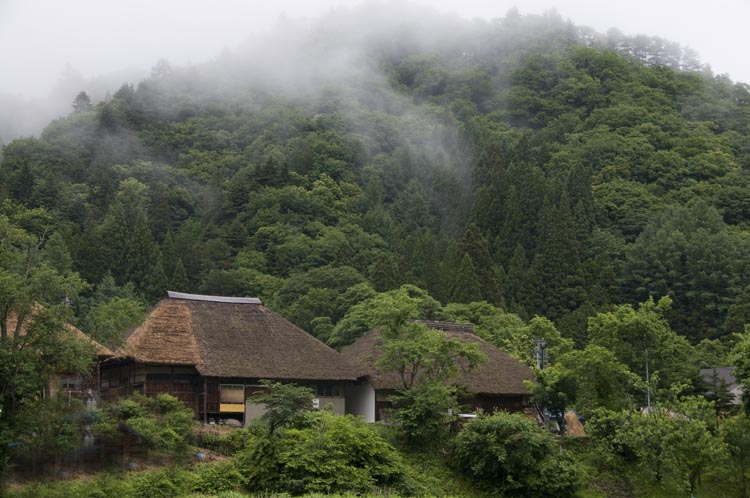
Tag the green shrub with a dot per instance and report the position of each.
(162, 484)
(231, 494)
(605, 428)
(130, 408)
(229, 443)
(103, 486)
(259, 464)
(422, 412)
(333, 454)
(164, 421)
(337, 454)
(511, 454)
(41, 490)
(286, 404)
(214, 478)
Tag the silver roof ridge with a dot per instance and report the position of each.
(214, 299)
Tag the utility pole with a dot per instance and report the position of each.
(540, 354)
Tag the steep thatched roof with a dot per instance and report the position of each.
(500, 374)
(101, 350)
(232, 337)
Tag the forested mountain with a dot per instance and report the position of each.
(526, 162)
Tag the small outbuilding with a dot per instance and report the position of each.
(720, 382)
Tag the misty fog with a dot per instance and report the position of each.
(293, 47)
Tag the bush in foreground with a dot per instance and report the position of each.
(332, 454)
(163, 421)
(512, 455)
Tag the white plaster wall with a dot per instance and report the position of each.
(360, 400)
(338, 403)
(253, 411)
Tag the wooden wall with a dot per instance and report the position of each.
(120, 380)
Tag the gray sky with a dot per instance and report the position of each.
(39, 37)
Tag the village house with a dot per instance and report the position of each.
(83, 386)
(498, 383)
(211, 352)
(720, 381)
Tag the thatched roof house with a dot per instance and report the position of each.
(73, 332)
(192, 345)
(496, 383)
(82, 385)
(720, 384)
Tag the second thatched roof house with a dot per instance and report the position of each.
(82, 385)
(212, 352)
(496, 384)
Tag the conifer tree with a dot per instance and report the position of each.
(82, 103)
(466, 287)
(384, 272)
(451, 261)
(559, 257)
(512, 228)
(738, 314)
(516, 277)
(179, 280)
(169, 256)
(423, 260)
(530, 187)
(581, 200)
(532, 292)
(133, 255)
(476, 247)
(57, 255)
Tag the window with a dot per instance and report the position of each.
(329, 390)
(232, 393)
(71, 383)
(232, 398)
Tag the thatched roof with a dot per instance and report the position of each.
(500, 374)
(232, 337)
(101, 350)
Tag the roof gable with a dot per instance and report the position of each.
(165, 337)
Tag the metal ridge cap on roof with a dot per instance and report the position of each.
(448, 326)
(215, 299)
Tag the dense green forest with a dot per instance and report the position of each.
(528, 164)
(534, 178)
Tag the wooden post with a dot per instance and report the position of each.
(205, 400)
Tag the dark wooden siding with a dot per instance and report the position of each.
(120, 380)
